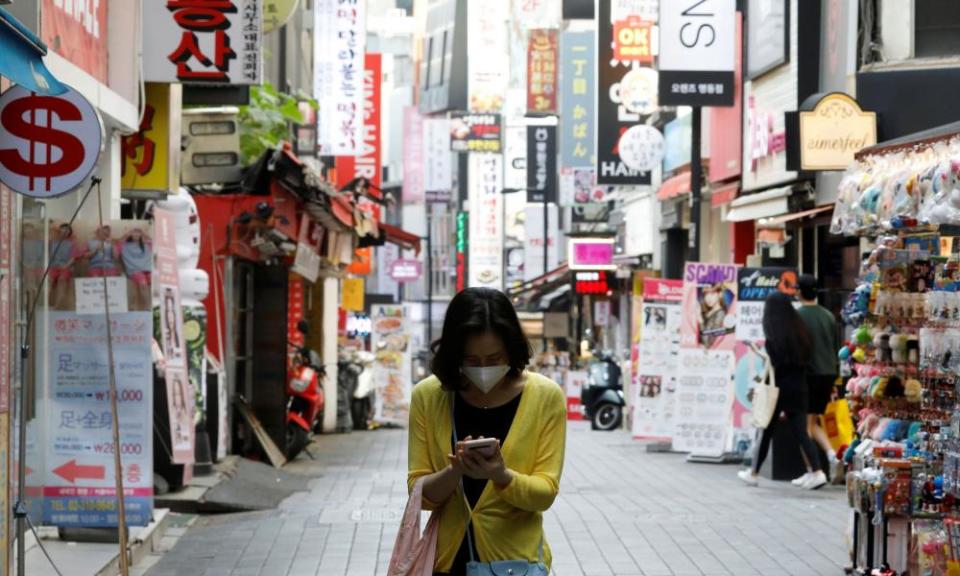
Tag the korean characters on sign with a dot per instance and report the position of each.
(202, 41)
(542, 72)
(475, 132)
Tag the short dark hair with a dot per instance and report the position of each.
(808, 287)
(472, 312)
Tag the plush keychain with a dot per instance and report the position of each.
(898, 348)
(913, 390)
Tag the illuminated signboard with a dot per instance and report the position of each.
(461, 247)
(591, 283)
(591, 254)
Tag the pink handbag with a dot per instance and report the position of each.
(414, 555)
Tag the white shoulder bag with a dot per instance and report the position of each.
(765, 394)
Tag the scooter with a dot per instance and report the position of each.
(362, 405)
(305, 395)
(602, 399)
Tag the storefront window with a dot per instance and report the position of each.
(937, 28)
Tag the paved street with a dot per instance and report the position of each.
(621, 511)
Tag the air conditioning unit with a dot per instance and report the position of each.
(211, 146)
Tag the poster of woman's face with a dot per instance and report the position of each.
(656, 317)
(714, 300)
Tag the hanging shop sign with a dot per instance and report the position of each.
(542, 72)
(638, 91)
(475, 132)
(180, 393)
(78, 31)
(533, 259)
(276, 13)
(646, 10)
(485, 179)
(462, 239)
(541, 164)
(392, 364)
(832, 129)
(634, 40)
(352, 296)
(585, 189)
(613, 118)
(697, 57)
(338, 61)
(413, 156)
(488, 77)
(438, 165)
(307, 260)
(641, 147)
(591, 253)
(406, 270)
(515, 157)
(577, 98)
(48, 144)
(202, 42)
(592, 282)
(657, 379)
(151, 157)
(305, 132)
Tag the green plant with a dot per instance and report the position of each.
(265, 122)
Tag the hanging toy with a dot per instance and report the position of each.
(913, 390)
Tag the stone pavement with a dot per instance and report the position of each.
(621, 511)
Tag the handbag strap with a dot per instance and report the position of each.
(466, 503)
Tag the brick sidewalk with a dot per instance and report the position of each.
(621, 511)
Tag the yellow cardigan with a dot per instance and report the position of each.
(508, 522)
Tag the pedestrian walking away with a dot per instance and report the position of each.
(822, 371)
(487, 438)
(788, 346)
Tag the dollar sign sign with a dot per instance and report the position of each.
(37, 131)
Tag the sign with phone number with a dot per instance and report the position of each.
(79, 490)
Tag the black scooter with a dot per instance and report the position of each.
(602, 396)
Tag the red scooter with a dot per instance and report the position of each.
(305, 395)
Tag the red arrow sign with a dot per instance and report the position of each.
(71, 471)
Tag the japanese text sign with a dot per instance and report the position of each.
(577, 99)
(202, 41)
(542, 72)
(338, 69)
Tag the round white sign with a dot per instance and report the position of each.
(641, 148)
(638, 91)
(48, 144)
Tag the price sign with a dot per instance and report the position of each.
(48, 144)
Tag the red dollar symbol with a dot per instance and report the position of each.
(70, 145)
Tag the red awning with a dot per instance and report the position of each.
(674, 187)
(724, 195)
(777, 221)
(401, 238)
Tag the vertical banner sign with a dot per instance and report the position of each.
(533, 247)
(573, 383)
(697, 52)
(754, 285)
(148, 162)
(577, 98)
(707, 341)
(537, 13)
(515, 157)
(180, 393)
(367, 161)
(438, 166)
(485, 178)
(542, 72)
(202, 42)
(340, 32)
(541, 163)
(78, 31)
(613, 116)
(489, 76)
(658, 377)
(462, 240)
(392, 364)
(413, 144)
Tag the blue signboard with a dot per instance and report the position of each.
(577, 99)
(676, 143)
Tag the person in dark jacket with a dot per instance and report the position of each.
(788, 346)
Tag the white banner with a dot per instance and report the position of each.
(437, 158)
(533, 253)
(537, 13)
(515, 157)
(655, 406)
(698, 37)
(339, 45)
(196, 43)
(705, 399)
(488, 75)
(486, 220)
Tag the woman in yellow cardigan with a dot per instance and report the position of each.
(480, 382)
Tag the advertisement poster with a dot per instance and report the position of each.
(657, 377)
(707, 342)
(80, 489)
(78, 32)
(486, 221)
(307, 260)
(488, 76)
(753, 287)
(180, 391)
(208, 43)
(392, 364)
(412, 156)
(578, 87)
(475, 132)
(541, 164)
(613, 117)
(542, 72)
(573, 384)
(339, 45)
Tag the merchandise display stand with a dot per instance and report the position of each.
(902, 363)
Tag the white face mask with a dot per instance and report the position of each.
(485, 377)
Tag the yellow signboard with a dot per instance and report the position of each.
(151, 158)
(834, 131)
(352, 297)
(276, 13)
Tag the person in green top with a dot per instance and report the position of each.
(822, 372)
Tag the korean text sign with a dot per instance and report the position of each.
(476, 132)
(697, 52)
(658, 360)
(202, 41)
(338, 71)
(486, 220)
(78, 31)
(542, 72)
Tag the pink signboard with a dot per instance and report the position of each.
(406, 270)
(591, 254)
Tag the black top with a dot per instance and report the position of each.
(792, 382)
(489, 423)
